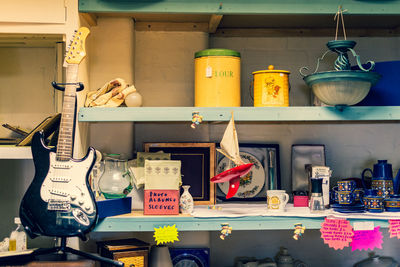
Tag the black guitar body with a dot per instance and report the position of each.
(59, 201)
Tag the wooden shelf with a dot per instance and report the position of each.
(15, 152)
(266, 114)
(137, 222)
(250, 15)
(252, 7)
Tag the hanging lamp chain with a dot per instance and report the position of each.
(339, 17)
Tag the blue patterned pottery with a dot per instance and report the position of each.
(374, 203)
(382, 178)
(392, 203)
(345, 197)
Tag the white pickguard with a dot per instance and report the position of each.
(66, 183)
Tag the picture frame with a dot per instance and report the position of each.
(198, 167)
(256, 190)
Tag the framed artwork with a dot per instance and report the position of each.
(265, 173)
(198, 166)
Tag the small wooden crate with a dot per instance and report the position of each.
(132, 252)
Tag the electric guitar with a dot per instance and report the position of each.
(59, 201)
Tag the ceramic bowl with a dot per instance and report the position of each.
(373, 203)
(346, 87)
(392, 203)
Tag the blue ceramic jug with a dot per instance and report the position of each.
(382, 178)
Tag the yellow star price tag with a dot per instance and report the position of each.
(166, 234)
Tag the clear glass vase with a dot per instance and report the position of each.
(115, 182)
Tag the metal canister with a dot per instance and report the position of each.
(217, 78)
(271, 88)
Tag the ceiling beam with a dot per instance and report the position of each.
(171, 26)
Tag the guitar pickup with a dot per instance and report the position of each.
(58, 193)
(61, 166)
(58, 205)
(60, 179)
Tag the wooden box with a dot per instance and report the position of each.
(132, 252)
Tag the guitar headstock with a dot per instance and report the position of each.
(76, 52)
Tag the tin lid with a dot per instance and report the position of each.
(271, 69)
(217, 52)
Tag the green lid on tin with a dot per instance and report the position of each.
(216, 52)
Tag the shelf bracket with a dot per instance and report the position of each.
(214, 23)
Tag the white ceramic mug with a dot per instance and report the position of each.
(277, 200)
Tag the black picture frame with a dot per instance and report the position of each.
(198, 166)
(261, 152)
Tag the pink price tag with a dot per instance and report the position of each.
(337, 233)
(394, 228)
(367, 239)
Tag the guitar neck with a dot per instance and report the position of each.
(66, 134)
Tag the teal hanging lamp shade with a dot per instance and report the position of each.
(344, 85)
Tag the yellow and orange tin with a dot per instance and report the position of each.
(217, 78)
(271, 88)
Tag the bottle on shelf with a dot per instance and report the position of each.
(17, 240)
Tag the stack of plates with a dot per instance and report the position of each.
(354, 208)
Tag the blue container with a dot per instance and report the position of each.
(386, 92)
(393, 203)
(112, 207)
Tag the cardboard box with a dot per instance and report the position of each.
(323, 172)
(112, 207)
(161, 202)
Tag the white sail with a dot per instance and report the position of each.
(230, 144)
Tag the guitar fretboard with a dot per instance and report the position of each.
(65, 137)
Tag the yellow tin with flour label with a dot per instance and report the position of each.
(217, 78)
(271, 88)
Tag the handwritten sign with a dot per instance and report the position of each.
(161, 202)
(394, 228)
(166, 234)
(337, 233)
(367, 239)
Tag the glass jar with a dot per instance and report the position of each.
(115, 182)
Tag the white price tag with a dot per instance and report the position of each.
(359, 226)
(208, 72)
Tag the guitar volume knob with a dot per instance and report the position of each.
(73, 197)
(80, 202)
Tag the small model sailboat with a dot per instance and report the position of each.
(230, 148)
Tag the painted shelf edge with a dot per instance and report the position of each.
(162, 114)
(239, 7)
(133, 223)
(15, 152)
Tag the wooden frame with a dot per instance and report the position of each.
(196, 175)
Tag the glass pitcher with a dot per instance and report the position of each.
(115, 182)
